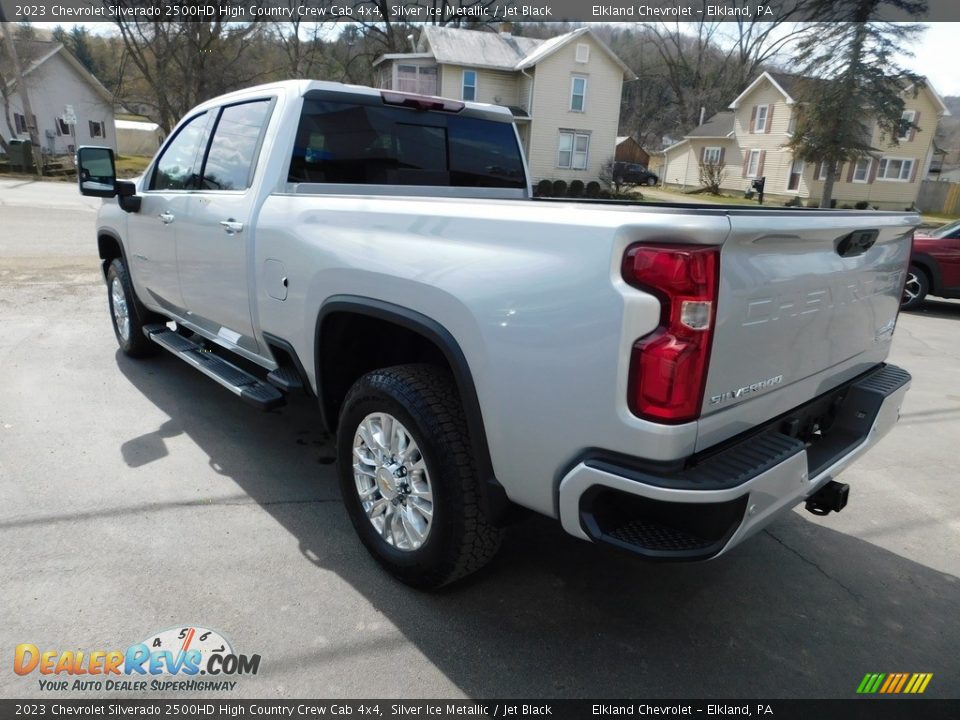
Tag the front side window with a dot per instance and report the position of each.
(176, 169)
(906, 124)
(573, 150)
(232, 155)
(469, 85)
(899, 169)
(578, 94)
(861, 171)
(761, 123)
(349, 143)
(753, 165)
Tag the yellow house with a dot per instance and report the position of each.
(564, 92)
(749, 141)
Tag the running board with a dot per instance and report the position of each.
(241, 383)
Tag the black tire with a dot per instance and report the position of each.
(135, 344)
(424, 399)
(651, 181)
(915, 288)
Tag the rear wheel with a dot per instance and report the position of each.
(915, 288)
(408, 476)
(127, 314)
(651, 181)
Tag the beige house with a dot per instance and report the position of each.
(749, 141)
(564, 92)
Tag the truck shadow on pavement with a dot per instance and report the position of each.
(798, 611)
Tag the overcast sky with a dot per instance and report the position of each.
(932, 55)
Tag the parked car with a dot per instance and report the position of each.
(934, 265)
(665, 380)
(634, 174)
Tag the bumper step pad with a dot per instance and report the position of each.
(241, 383)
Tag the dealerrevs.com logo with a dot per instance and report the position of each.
(166, 661)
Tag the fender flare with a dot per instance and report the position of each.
(930, 266)
(492, 492)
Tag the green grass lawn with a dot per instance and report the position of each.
(129, 166)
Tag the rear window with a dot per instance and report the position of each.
(340, 142)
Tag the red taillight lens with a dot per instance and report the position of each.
(668, 368)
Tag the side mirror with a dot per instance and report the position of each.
(96, 172)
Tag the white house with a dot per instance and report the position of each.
(57, 82)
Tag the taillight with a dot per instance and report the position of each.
(668, 367)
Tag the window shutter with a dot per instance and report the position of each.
(746, 162)
(763, 156)
(722, 152)
(913, 171)
(769, 118)
(872, 175)
(913, 130)
(753, 118)
(703, 154)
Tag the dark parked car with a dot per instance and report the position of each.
(634, 174)
(934, 265)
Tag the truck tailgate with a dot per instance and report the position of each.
(801, 309)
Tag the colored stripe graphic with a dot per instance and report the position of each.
(894, 683)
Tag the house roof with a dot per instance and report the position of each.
(719, 125)
(495, 51)
(135, 125)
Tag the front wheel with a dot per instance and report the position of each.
(408, 476)
(127, 314)
(915, 288)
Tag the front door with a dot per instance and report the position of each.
(215, 239)
(152, 231)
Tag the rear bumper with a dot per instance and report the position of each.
(715, 501)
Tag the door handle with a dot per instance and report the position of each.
(232, 227)
(166, 217)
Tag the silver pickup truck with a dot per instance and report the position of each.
(663, 379)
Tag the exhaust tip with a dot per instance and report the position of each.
(832, 497)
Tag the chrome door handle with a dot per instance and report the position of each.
(166, 217)
(232, 227)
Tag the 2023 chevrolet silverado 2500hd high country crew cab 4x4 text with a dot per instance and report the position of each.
(664, 379)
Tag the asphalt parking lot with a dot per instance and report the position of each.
(137, 496)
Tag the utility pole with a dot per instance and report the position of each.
(24, 97)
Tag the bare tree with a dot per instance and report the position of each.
(14, 69)
(712, 175)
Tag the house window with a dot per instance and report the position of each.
(753, 164)
(711, 156)
(796, 172)
(578, 94)
(573, 150)
(760, 124)
(469, 91)
(583, 53)
(861, 171)
(822, 171)
(97, 129)
(63, 128)
(897, 169)
(906, 124)
(420, 79)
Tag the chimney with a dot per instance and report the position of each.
(703, 111)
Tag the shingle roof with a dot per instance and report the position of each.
(719, 125)
(455, 46)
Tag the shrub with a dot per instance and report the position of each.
(593, 189)
(605, 195)
(861, 205)
(544, 188)
(559, 188)
(846, 206)
(576, 189)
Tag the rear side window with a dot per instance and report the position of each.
(177, 168)
(354, 144)
(232, 155)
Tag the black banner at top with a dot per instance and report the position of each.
(446, 11)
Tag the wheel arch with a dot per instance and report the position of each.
(110, 247)
(432, 337)
(929, 266)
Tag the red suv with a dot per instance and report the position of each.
(934, 265)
